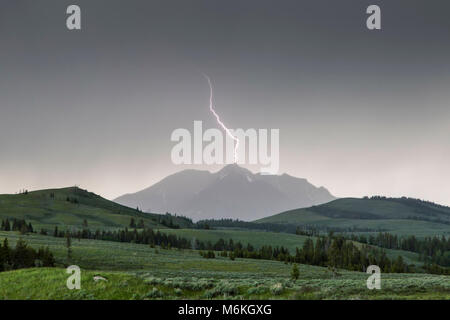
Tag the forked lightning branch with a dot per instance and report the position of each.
(232, 148)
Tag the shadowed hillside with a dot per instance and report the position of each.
(402, 215)
(71, 206)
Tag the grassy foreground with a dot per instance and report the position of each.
(50, 283)
(138, 271)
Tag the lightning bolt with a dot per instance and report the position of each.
(224, 127)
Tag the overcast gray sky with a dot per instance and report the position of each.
(360, 112)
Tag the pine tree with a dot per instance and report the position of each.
(398, 265)
(69, 245)
(4, 254)
(295, 273)
(22, 256)
(23, 229)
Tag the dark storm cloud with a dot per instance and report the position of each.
(359, 111)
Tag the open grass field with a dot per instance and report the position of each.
(50, 283)
(260, 238)
(136, 271)
(255, 238)
(106, 255)
(140, 272)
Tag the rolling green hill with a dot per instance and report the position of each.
(68, 207)
(396, 215)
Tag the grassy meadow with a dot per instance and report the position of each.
(260, 238)
(138, 271)
(135, 271)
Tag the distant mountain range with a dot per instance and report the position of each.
(233, 192)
